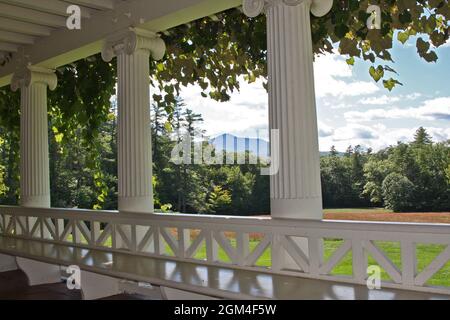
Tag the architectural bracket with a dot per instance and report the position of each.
(253, 8)
(39, 272)
(130, 41)
(32, 74)
(96, 286)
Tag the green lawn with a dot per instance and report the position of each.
(426, 254)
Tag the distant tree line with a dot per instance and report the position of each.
(407, 177)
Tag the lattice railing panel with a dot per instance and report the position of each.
(314, 249)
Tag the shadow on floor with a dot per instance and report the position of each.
(14, 286)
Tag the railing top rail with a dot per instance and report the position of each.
(232, 221)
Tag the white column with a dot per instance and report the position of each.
(295, 188)
(133, 49)
(34, 158)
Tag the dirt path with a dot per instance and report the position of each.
(423, 217)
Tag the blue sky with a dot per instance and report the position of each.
(352, 108)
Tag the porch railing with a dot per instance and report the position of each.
(282, 246)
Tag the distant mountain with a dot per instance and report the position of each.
(231, 143)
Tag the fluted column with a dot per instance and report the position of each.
(34, 158)
(295, 188)
(133, 49)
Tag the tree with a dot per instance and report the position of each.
(73, 182)
(192, 119)
(357, 171)
(422, 162)
(241, 185)
(3, 187)
(375, 171)
(421, 137)
(158, 127)
(343, 178)
(398, 192)
(9, 167)
(333, 152)
(219, 200)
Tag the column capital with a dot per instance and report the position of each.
(32, 74)
(132, 40)
(253, 8)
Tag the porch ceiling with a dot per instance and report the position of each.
(34, 31)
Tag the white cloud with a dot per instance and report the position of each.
(330, 69)
(386, 99)
(243, 115)
(382, 100)
(350, 134)
(412, 96)
(355, 132)
(434, 109)
(439, 134)
(377, 136)
(325, 130)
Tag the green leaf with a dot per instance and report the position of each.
(160, 67)
(341, 30)
(377, 73)
(59, 137)
(422, 49)
(168, 126)
(403, 37)
(391, 83)
(422, 46)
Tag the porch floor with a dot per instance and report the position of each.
(14, 286)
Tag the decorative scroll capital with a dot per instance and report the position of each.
(132, 40)
(32, 74)
(253, 8)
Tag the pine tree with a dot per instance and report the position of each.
(333, 151)
(421, 137)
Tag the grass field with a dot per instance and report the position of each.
(425, 252)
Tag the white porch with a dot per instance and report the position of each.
(136, 244)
